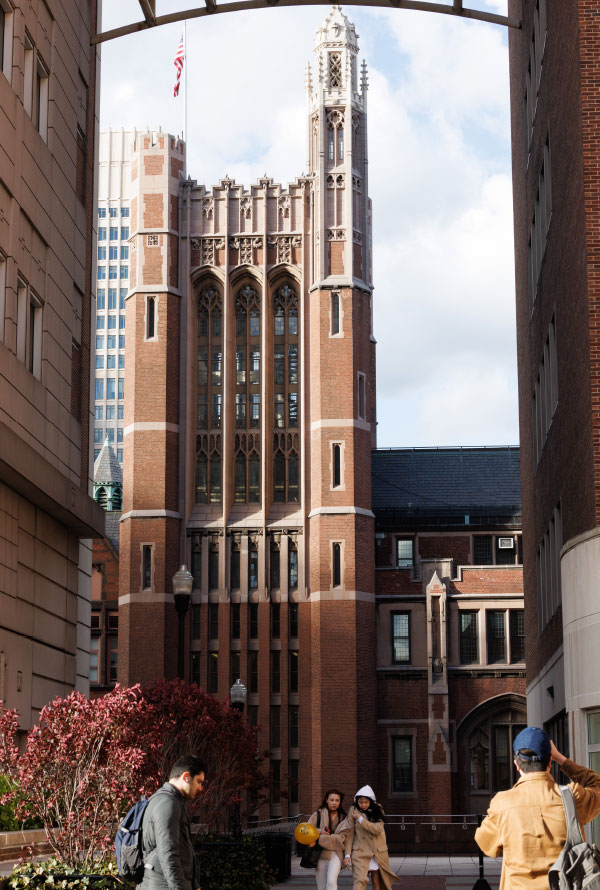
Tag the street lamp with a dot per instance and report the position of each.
(237, 694)
(183, 581)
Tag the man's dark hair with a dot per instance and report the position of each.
(189, 763)
(531, 766)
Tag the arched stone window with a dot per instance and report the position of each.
(286, 395)
(247, 469)
(209, 486)
(117, 498)
(102, 497)
(210, 359)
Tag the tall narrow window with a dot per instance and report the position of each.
(146, 566)
(6, 33)
(150, 312)
(253, 621)
(196, 625)
(294, 726)
(402, 769)
(362, 410)
(517, 635)
(286, 379)
(293, 617)
(330, 144)
(253, 671)
(275, 621)
(292, 566)
(2, 294)
(469, 637)
(337, 565)
(400, 637)
(337, 465)
(496, 636)
(340, 133)
(209, 394)
(34, 345)
(252, 567)
(274, 566)
(235, 621)
(247, 397)
(213, 621)
(276, 671)
(197, 566)
(335, 313)
(213, 673)
(293, 671)
(235, 564)
(213, 566)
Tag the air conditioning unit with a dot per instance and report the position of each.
(506, 543)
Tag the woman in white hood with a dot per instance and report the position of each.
(365, 844)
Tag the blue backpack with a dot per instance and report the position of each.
(128, 843)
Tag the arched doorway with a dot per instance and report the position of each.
(485, 737)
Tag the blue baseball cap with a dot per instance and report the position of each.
(533, 739)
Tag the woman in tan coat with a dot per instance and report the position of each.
(366, 846)
(330, 819)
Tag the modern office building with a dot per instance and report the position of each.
(112, 285)
(48, 125)
(556, 149)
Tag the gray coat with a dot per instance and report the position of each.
(167, 843)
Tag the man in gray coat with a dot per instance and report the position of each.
(166, 833)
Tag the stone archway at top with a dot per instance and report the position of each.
(212, 7)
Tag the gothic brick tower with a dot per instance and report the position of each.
(250, 418)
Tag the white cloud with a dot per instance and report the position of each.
(439, 177)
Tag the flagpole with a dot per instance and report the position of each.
(185, 91)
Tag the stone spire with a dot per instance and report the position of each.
(108, 479)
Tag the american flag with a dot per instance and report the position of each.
(178, 62)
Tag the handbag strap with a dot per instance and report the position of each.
(574, 834)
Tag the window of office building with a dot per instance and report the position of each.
(402, 764)
(400, 637)
(469, 636)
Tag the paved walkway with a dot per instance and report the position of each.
(414, 873)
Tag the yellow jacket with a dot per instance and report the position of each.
(526, 825)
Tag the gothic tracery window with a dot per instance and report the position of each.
(210, 358)
(335, 70)
(208, 470)
(286, 378)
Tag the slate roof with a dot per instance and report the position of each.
(446, 486)
(107, 468)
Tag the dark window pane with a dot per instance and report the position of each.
(275, 727)
(196, 621)
(235, 621)
(279, 478)
(292, 479)
(234, 667)
(275, 672)
(404, 553)
(293, 772)
(253, 569)
(337, 466)
(294, 726)
(517, 635)
(505, 555)
(401, 638)
(469, 643)
(292, 568)
(213, 621)
(337, 565)
(213, 567)
(402, 774)
(293, 672)
(502, 759)
(253, 671)
(274, 567)
(253, 621)
(213, 672)
(275, 621)
(235, 568)
(482, 550)
(496, 636)
(293, 607)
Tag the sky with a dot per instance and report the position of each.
(439, 179)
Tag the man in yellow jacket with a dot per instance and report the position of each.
(526, 825)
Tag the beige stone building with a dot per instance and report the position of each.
(47, 516)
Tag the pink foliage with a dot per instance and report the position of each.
(87, 762)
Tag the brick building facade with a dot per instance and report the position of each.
(249, 429)
(555, 99)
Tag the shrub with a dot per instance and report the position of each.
(55, 874)
(8, 819)
(226, 865)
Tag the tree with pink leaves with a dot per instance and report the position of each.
(87, 761)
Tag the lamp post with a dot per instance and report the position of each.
(237, 694)
(183, 582)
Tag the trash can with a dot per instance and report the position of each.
(278, 851)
